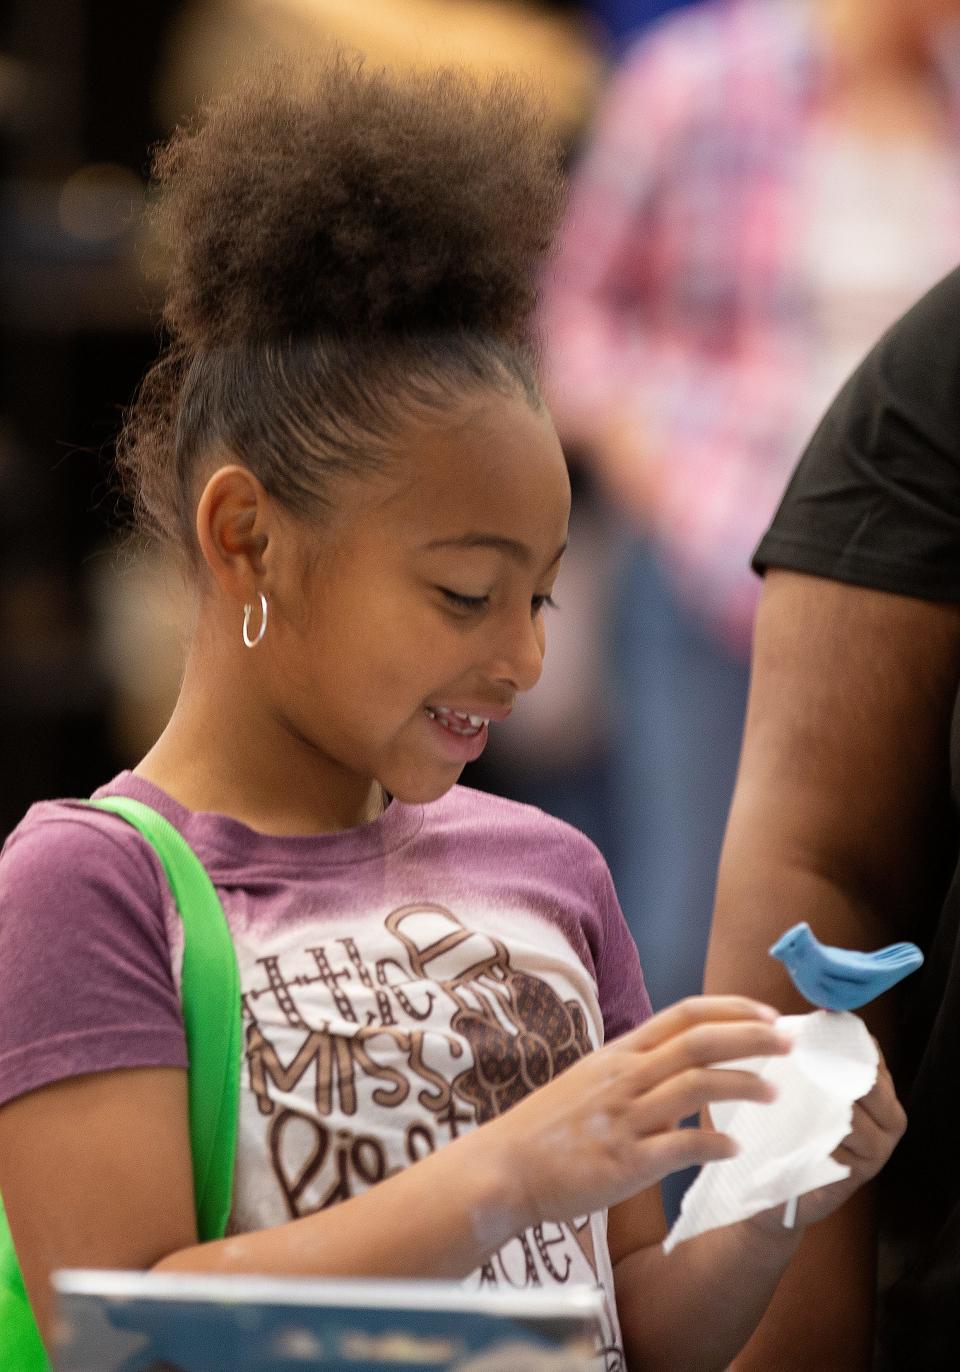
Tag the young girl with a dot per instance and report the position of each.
(345, 442)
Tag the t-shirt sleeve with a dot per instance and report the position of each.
(86, 983)
(875, 499)
(621, 991)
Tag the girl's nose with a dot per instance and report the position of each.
(519, 649)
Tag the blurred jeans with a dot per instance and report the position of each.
(675, 746)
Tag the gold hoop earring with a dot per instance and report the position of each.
(247, 612)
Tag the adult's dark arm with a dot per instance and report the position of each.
(843, 768)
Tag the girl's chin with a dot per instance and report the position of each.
(421, 788)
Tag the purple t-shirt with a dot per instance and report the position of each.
(402, 981)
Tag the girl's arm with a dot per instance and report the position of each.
(95, 1171)
(697, 1306)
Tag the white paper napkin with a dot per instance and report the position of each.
(785, 1146)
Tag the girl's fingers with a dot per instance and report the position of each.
(881, 1103)
(706, 1045)
(866, 1142)
(693, 1011)
(675, 1149)
(684, 1095)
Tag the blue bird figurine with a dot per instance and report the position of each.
(838, 978)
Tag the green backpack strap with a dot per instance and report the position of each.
(210, 997)
(20, 1344)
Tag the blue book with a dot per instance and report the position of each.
(158, 1322)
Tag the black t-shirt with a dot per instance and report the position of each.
(875, 501)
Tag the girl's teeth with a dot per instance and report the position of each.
(453, 719)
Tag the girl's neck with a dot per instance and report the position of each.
(220, 753)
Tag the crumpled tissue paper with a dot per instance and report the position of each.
(785, 1145)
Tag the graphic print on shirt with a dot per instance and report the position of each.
(368, 1052)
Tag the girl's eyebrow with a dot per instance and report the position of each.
(514, 549)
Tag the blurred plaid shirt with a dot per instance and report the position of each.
(679, 296)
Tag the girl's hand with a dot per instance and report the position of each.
(608, 1127)
(876, 1129)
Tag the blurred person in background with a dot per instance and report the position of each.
(767, 185)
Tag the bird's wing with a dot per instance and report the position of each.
(849, 965)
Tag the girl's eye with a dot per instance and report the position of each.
(478, 602)
(543, 602)
(464, 602)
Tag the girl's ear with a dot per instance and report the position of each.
(233, 519)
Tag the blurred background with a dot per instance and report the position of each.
(757, 188)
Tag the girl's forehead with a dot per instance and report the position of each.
(499, 467)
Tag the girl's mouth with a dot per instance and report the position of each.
(457, 721)
(461, 737)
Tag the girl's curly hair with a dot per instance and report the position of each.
(345, 245)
